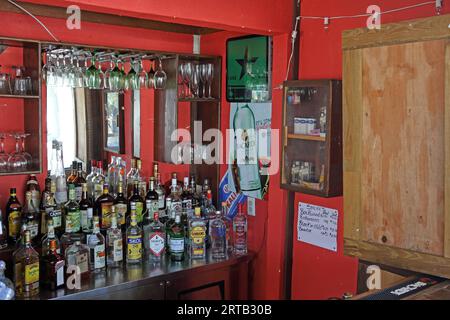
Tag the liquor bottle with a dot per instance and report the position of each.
(240, 232)
(14, 216)
(138, 202)
(96, 244)
(120, 174)
(86, 210)
(218, 239)
(49, 209)
(72, 221)
(78, 182)
(209, 213)
(73, 172)
(99, 180)
(138, 176)
(26, 269)
(161, 197)
(196, 197)
(53, 268)
(111, 173)
(197, 236)
(3, 233)
(30, 218)
(7, 291)
(90, 180)
(151, 200)
(134, 239)
(172, 185)
(33, 187)
(174, 196)
(155, 239)
(176, 240)
(156, 170)
(59, 175)
(229, 225)
(77, 255)
(103, 208)
(130, 178)
(186, 198)
(245, 149)
(169, 222)
(50, 236)
(114, 243)
(121, 208)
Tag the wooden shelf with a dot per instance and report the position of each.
(306, 137)
(18, 96)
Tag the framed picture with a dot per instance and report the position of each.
(113, 122)
(249, 69)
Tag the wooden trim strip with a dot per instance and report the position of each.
(432, 28)
(447, 154)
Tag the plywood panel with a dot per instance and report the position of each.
(402, 165)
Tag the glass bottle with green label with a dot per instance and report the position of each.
(72, 221)
(26, 269)
(14, 214)
(30, 218)
(137, 201)
(134, 239)
(176, 239)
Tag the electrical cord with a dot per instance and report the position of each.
(34, 17)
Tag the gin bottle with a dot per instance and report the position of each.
(155, 239)
(96, 244)
(218, 239)
(176, 239)
(245, 149)
(114, 243)
(240, 232)
(197, 236)
(134, 240)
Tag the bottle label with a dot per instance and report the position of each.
(121, 211)
(152, 207)
(161, 201)
(156, 244)
(139, 210)
(73, 221)
(98, 190)
(78, 193)
(99, 256)
(142, 188)
(86, 218)
(14, 223)
(82, 261)
(219, 231)
(117, 250)
(134, 247)
(31, 273)
(56, 215)
(61, 196)
(33, 227)
(36, 197)
(198, 235)
(176, 245)
(176, 206)
(187, 204)
(106, 214)
(59, 271)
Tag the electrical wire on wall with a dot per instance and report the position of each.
(35, 18)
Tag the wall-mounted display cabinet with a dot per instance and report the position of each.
(20, 103)
(311, 154)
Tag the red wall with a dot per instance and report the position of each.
(318, 273)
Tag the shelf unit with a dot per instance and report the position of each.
(310, 163)
(26, 54)
(171, 109)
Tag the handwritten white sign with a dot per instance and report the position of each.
(317, 226)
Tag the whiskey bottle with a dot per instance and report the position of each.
(78, 182)
(121, 208)
(52, 266)
(30, 218)
(14, 216)
(86, 210)
(77, 255)
(176, 240)
(73, 173)
(96, 244)
(151, 200)
(3, 233)
(114, 243)
(134, 240)
(155, 239)
(138, 202)
(33, 187)
(26, 269)
(197, 236)
(72, 221)
(49, 237)
(103, 208)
